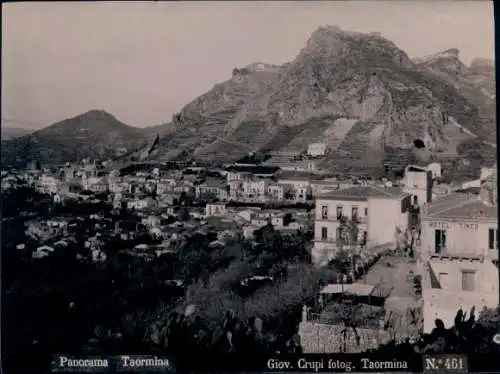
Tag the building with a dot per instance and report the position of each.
(378, 212)
(213, 187)
(215, 210)
(299, 185)
(316, 149)
(323, 186)
(276, 191)
(165, 186)
(436, 169)
(459, 254)
(418, 182)
(255, 188)
(95, 184)
(141, 203)
(48, 183)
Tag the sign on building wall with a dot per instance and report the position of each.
(447, 226)
(440, 225)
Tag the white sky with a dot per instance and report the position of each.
(144, 61)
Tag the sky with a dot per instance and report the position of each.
(144, 61)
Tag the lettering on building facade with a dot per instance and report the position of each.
(447, 226)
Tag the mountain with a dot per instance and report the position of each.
(9, 132)
(348, 89)
(93, 134)
(476, 83)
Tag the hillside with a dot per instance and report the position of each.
(92, 134)
(9, 133)
(475, 83)
(364, 78)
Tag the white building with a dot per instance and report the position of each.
(436, 169)
(316, 149)
(418, 182)
(276, 191)
(379, 212)
(254, 188)
(141, 203)
(459, 255)
(300, 187)
(48, 183)
(215, 210)
(95, 184)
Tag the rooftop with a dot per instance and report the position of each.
(461, 205)
(258, 169)
(214, 183)
(363, 193)
(416, 168)
(297, 176)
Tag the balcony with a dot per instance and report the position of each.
(361, 220)
(327, 240)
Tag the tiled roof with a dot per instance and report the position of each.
(460, 205)
(214, 183)
(363, 193)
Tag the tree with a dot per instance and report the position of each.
(184, 215)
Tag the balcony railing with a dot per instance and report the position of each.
(326, 240)
(338, 219)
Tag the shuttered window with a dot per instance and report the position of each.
(468, 280)
(324, 233)
(491, 238)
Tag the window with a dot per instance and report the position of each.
(324, 212)
(468, 278)
(324, 233)
(492, 239)
(339, 212)
(354, 213)
(439, 240)
(415, 200)
(338, 233)
(364, 238)
(443, 280)
(366, 212)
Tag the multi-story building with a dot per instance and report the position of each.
(165, 185)
(459, 254)
(141, 203)
(276, 191)
(436, 169)
(48, 183)
(316, 149)
(95, 184)
(215, 210)
(299, 186)
(214, 187)
(117, 185)
(418, 182)
(380, 213)
(255, 188)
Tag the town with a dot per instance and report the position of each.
(395, 255)
(218, 188)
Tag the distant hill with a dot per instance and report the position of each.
(93, 134)
(9, 133)
(386, 99)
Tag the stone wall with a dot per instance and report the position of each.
(323, 338)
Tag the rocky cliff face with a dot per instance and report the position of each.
(338, 73)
